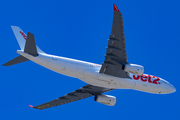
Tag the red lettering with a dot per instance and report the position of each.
(149, 79)
(24, 36)
(155, 81)
(144, 78)
(136, 78)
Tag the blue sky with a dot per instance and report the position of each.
(80, 29)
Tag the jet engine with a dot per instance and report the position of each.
(105, 99)
(133, 68)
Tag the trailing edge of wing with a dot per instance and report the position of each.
(84, 92)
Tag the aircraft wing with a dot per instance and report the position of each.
(116, 50)
(84, 92)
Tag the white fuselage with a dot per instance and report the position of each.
(89, 73)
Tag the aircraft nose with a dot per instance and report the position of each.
(171, 88)
(167, 88)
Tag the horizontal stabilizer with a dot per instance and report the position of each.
(16, 60)
(30, 46)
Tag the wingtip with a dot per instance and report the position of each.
(31, 106)
(115, 7)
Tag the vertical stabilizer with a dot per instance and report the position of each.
(21, 38)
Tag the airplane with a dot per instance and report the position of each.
(114, 73)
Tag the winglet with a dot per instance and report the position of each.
(115, 7)
(31, 106)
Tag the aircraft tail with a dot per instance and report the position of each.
(21, 38)
(26, 43)
(30, 46)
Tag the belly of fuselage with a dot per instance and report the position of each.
(89, 73)
(93, 77)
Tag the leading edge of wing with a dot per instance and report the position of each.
(81, 93)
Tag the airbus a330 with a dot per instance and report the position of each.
(114, 73)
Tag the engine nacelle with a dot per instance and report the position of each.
(133, 68)
(106, 99)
